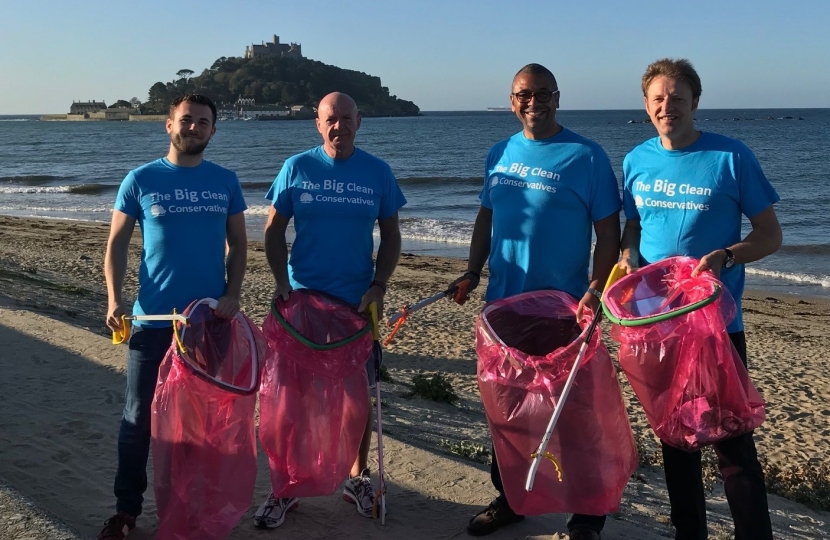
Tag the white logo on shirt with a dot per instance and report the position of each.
(512, 182)
(306, 197)
(157, 210)
(665, 188)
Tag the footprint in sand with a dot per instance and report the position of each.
(61, 456)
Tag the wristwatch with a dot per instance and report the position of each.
(730, 258)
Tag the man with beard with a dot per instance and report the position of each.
(335, 194)
(545, 189)
(189, 209)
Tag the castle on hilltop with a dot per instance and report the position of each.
(274, 48)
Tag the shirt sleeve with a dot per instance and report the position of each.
(605, 192)
(484, 196)
(629, 205)
(237, 203)
(393, 198)
(756, 192)
(128, 199)
(280, 191)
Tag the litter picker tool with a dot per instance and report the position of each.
(121, 336)
(541, 452)
(457, 292)
(379, 504)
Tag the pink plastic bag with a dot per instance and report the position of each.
(526, 347)
(314, 397)
(685, 371)
(204, 445)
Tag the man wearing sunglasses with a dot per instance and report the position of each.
(545, 189)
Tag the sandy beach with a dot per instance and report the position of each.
(62, 389)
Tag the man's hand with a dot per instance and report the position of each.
(374, 294)
(590, 300)
(473, 280)
(629, 262)
(712, 262)
(227, 307)
(283, 290)
(115, 311)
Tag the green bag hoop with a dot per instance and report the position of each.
(651, 319)
(316, 346)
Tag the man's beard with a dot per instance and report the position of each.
(188, 145)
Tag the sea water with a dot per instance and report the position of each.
(71, 170)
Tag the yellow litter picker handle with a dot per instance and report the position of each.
(616, 273)
(121, 336)
(373, 312)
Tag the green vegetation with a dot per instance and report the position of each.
(11, 275)
(272, 80)
(806, 483)
(435, 388)
(384, 374)
(467, 450)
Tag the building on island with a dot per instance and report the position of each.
(97, 110)
(274, 48)
(248, 109)
(81, 107)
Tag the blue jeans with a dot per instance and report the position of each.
(147, 348)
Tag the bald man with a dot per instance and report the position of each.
(335, 192)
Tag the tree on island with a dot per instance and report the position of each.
(271, 80)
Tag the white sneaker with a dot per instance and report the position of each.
(272, 512)
(359, 490)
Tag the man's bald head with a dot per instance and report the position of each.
(338, 121)
(337, 100)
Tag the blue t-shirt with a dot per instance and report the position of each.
(689, 201)
(335, 204)
(183, 214)
(545, 196)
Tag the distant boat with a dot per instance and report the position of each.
(498, 109)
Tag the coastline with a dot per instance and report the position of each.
(64, 384)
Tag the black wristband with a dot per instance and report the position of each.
(473, 272)
(376, 283)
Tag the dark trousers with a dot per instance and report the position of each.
(743, 482)
(594, 523)
(147, 348)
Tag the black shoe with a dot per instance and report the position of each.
(583, 533)
(492, 518)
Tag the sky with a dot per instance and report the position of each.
(442, 55)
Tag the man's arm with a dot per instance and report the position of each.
(235, 264)
(606, 253)
(389, 252)
(276, 251)
(115, 265)
(764, 239)
(479, 249)
(630, 245)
